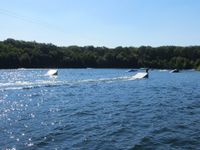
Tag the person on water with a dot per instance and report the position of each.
(147, 75)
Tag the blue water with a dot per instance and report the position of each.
(99, 109)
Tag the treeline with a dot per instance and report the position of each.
(21, 54)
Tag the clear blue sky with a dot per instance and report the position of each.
(108, 23)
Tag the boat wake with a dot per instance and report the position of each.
(19, 85)
(29, 85)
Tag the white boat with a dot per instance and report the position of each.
(52, 72)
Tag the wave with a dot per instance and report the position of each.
(106, 79)
(19, 85)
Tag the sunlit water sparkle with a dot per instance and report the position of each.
(99, 109)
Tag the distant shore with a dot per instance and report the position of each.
(22, 54)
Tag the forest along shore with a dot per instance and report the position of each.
(22, 54)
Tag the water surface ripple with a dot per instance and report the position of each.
(99, 109)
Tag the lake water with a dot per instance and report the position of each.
(99, 109)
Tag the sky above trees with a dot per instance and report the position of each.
(108, 23)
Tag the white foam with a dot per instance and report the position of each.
(18, 85)
(139, 75)
(52, 72)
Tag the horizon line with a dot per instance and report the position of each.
(40, 42)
